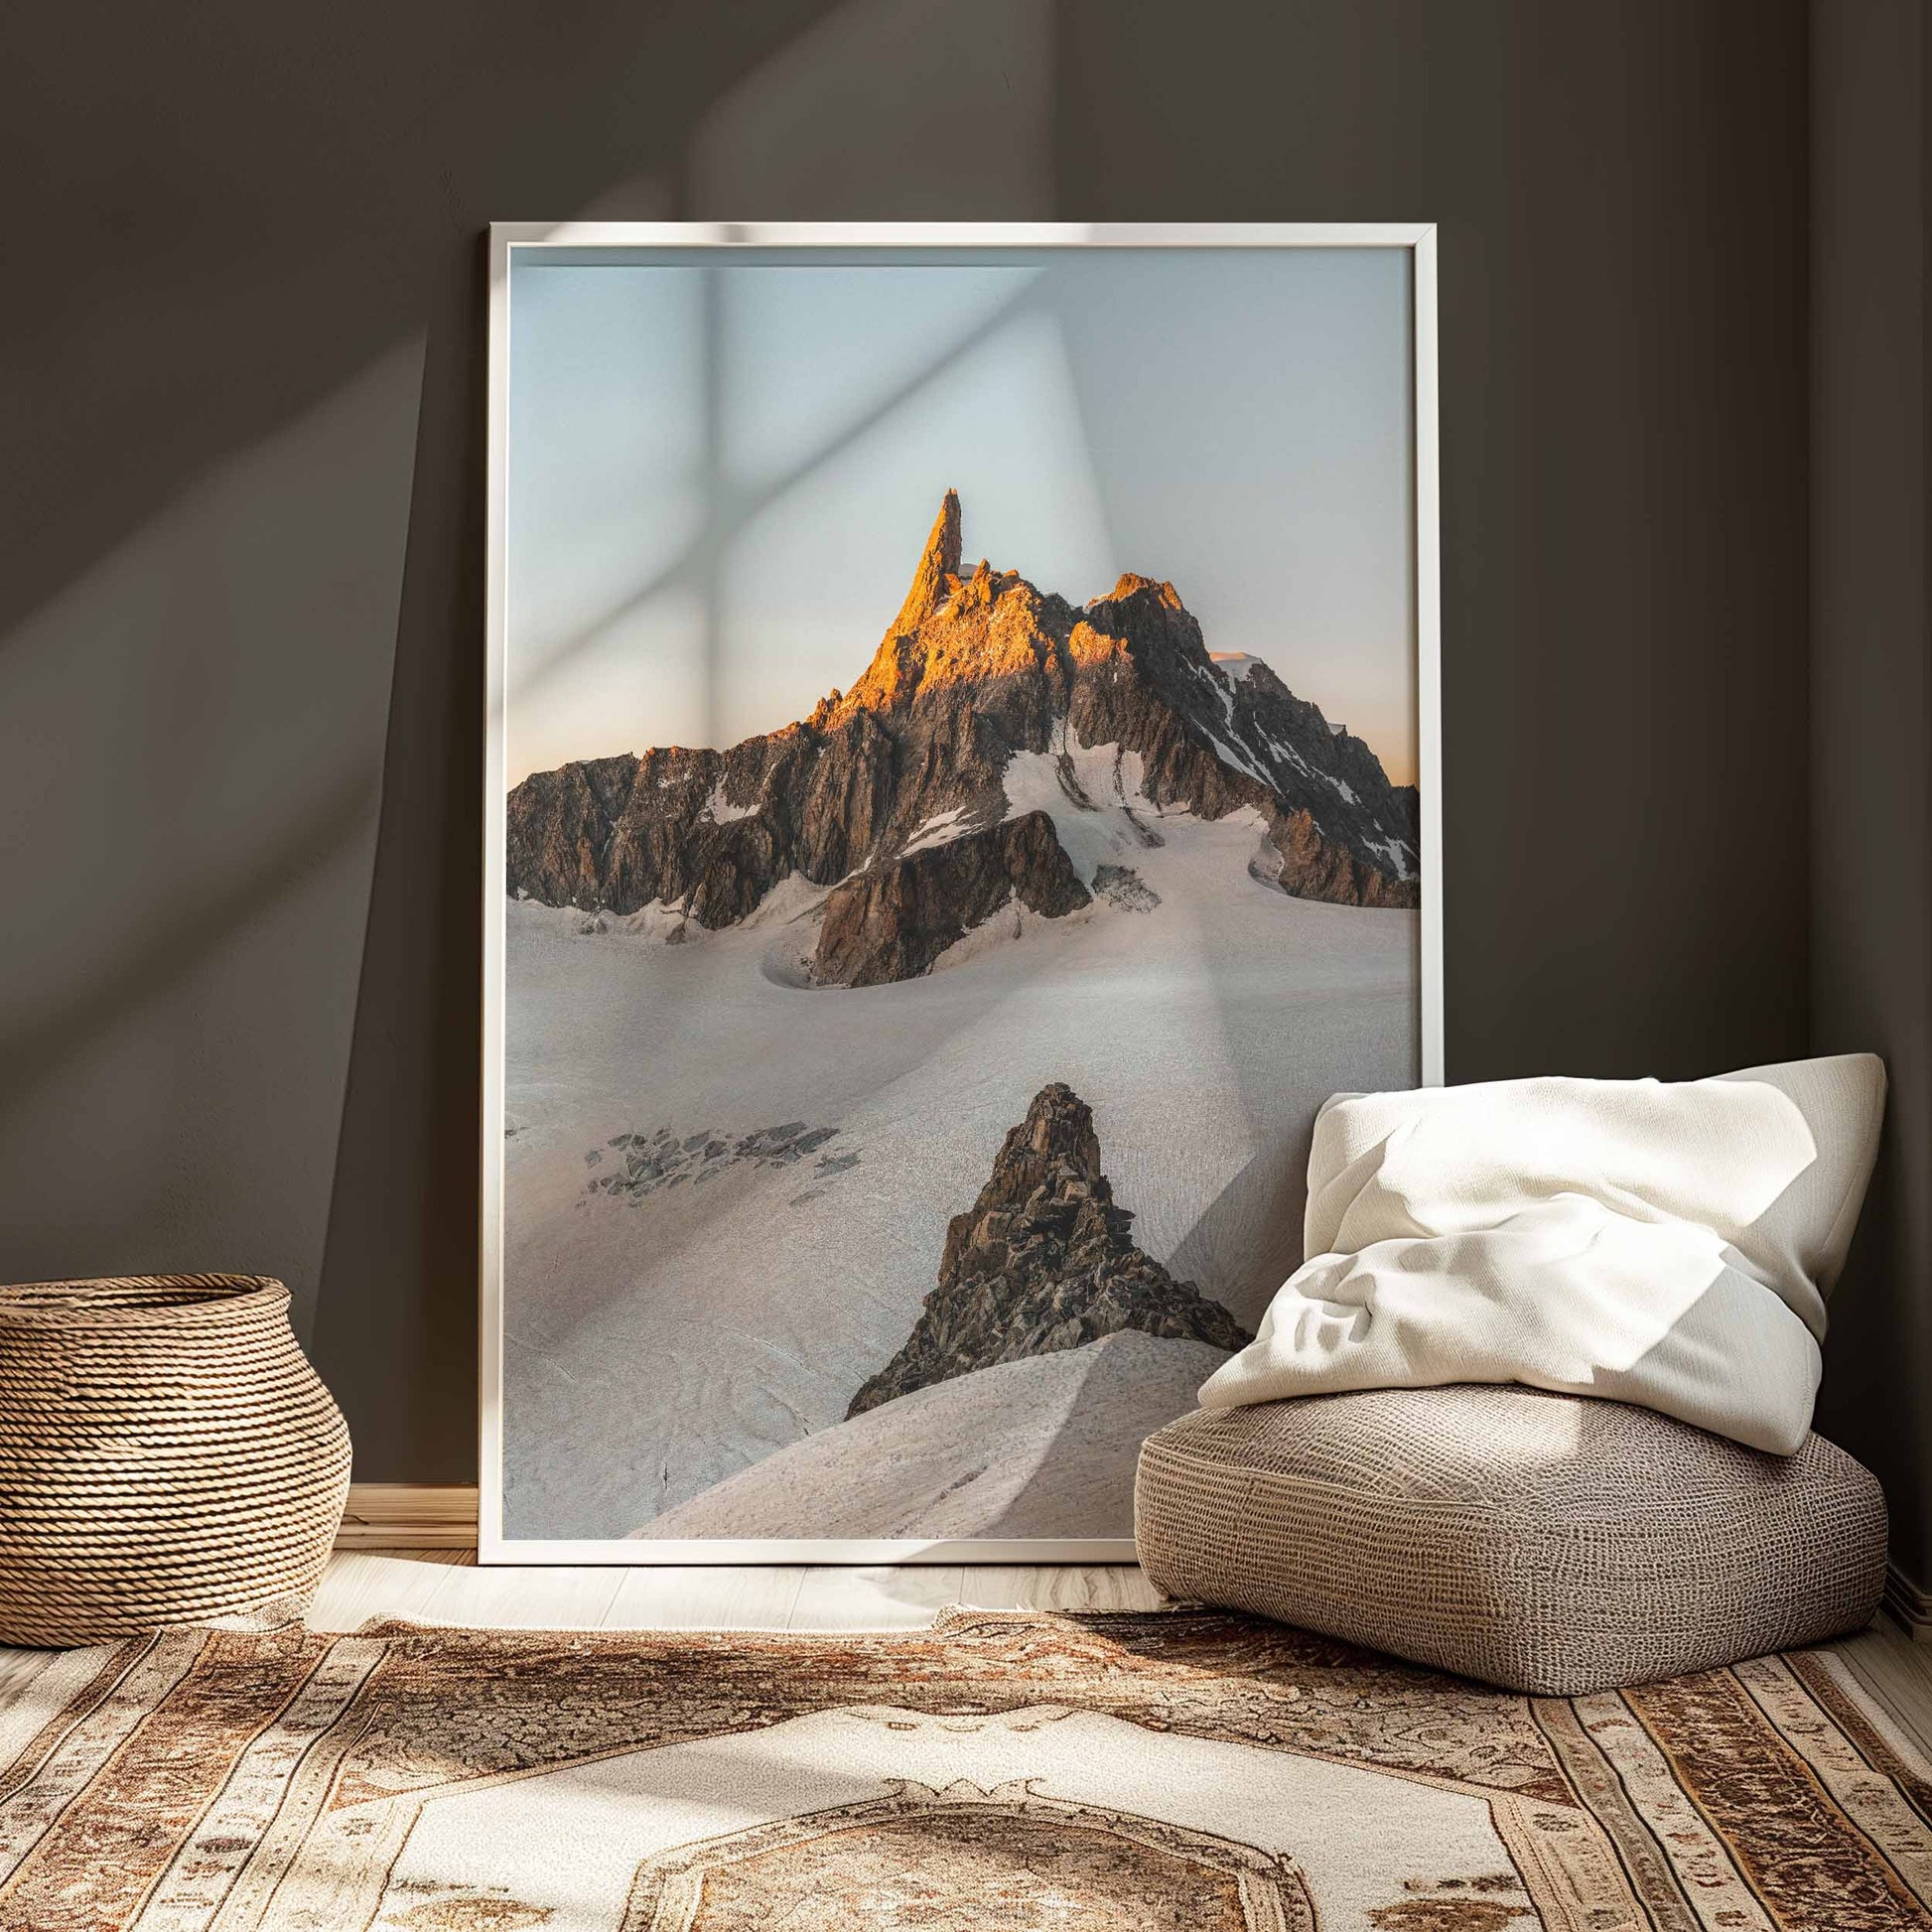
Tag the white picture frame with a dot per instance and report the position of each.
(506, 241)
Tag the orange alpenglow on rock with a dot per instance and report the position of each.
(938, 561)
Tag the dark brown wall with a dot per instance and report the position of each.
(1871, 710)
(1620, 196)
(240, 570)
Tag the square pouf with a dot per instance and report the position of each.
(1552, 1544)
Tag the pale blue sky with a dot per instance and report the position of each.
(720, 477)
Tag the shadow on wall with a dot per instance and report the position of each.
(190, 742)
(250, 383)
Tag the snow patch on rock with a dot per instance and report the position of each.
(720, 812)
(794, 898)
(940, 829)
(1234, 666)
(664, 924)
(1239, 760)
(1402, 858)
(1092, 792)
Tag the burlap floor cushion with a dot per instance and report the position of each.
(1553, 1544)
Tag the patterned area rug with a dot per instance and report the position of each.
(1168, 1772)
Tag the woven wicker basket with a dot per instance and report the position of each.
(167, 1456)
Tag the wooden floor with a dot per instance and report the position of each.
(447, 1586)
(1897, 1672)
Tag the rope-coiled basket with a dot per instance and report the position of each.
(167, 1456)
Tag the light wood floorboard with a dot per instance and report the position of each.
(498, 1600)
(1058, 1587)
(363, 1584)
(905, 1597)
(705, 1596)
(431, 1586)
(1898, 1675)
(19, 1668)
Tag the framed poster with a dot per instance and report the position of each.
(962, 791)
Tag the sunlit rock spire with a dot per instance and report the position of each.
(938, 561)
(893, 676)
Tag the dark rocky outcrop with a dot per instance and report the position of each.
(1212, 741)
(1043, 1261)
(892, 920)
(642, 1164)
(1125, 888)
(974, 669)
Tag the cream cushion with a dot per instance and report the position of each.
(1669, 1244)
(1547, 1543)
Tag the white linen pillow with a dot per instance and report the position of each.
(1666, 1243)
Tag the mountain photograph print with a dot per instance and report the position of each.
(959, 820)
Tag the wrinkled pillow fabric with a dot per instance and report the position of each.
(1669, 1244)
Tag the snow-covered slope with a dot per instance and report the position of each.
(657, 1343)
(1043, 1448)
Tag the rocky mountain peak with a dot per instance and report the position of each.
(1056, 1139)
(938, 561)
(1131, 582)
(893, 798)
(945, 630)
(1043, 1261)
(985, 588)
